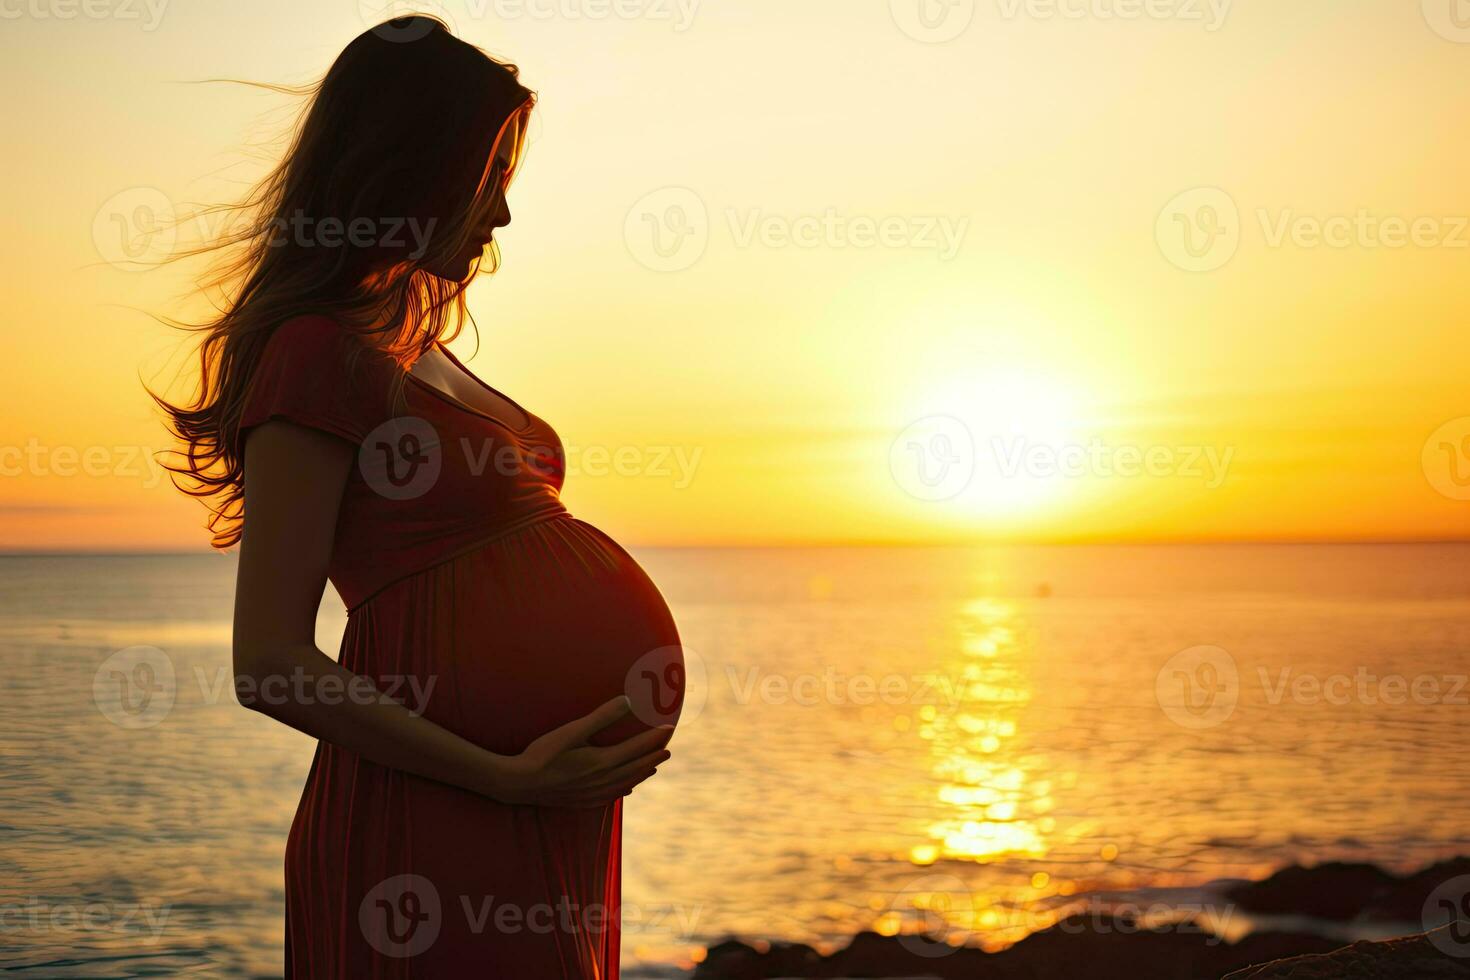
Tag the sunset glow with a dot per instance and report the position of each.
(753, 292)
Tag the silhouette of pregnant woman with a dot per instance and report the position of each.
(462, 816)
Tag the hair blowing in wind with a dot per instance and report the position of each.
(375, 217)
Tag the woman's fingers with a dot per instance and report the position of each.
(641, 768)
(576, 732)
(595, 767)
(573, 773)
(601, 797)
(633, 747)
(607, 790)
(614, 789)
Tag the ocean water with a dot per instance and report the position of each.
(963, 741)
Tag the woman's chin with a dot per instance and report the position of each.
(473, 261)
(459, 270)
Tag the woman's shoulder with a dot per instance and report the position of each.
(316, 341)
(315, 370)
(316, 332)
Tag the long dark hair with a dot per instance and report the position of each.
(391, 171)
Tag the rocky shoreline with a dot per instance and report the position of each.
(1118, 948)
(1423, 957)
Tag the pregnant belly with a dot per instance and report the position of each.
(526, 634)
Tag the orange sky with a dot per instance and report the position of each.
(815, 273)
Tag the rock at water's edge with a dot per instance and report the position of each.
(1410, 958)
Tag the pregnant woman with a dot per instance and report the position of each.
(508, 673)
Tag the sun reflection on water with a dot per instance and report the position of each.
(993, 806)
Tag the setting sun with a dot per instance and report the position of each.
(1010, 423)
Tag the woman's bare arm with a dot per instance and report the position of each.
(294, 478)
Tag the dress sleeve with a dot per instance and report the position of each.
(316, 374)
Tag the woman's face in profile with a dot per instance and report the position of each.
(492, 212)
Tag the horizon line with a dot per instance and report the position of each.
(145, 552)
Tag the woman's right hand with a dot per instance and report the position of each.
(561, 768)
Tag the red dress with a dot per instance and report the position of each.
(476, 599)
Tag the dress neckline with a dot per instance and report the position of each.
(525, 426)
